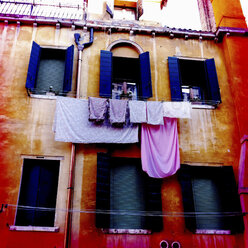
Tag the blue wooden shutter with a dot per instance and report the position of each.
(48, 185)
(145, 75)
(68, 69)
(154, 222)
(28, 194)
(33, 66)
(175, 79)
(106, 68)
(212, 80)
(185, 177)
(103, 191)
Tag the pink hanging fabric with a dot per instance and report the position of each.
(160, 149)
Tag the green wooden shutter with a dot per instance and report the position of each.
(106, 68)
(175, 79)
(103, 191)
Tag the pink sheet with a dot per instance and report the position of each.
(160, 149)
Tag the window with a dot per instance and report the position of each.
(124, 194)
(125, 9)
(194, 80)
(50, 70)
(38, 191)
(134, 73)
(210, 199)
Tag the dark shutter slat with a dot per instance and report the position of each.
(154, 204)
(127, 194)
(212, 79)
(230, 200)
(175, 79)
(68, 69)
(106, 67)
(184, 176)
(145, 75)
(47, 195)
(28, 194)
(103, 190)
(207, 199)
(33, 66)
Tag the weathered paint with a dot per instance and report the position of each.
(211, 137)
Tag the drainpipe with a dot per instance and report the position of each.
(68, 221)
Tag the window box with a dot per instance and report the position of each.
(50, 71)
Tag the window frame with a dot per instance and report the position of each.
(224, 181)
(53, 228)
(152, 198)
(33, 69)
(211, 81)
(106, 75)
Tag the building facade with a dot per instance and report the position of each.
(69, 182)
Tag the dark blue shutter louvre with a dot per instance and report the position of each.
(212, 79)
(154, 220)
(48, 184)
(28, 194)
(68, 69)
(230, 200)
(145, 75)
(185, 177)
(33, 66)
(103, 191)
(175, 79)
(106, 67)
(127, 194)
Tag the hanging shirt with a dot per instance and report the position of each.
(97, 108)
(117, 111)
(160, 149)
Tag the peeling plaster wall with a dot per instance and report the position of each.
(211, 137)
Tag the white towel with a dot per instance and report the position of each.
(137, 111)
(177, 109)
(155, 113)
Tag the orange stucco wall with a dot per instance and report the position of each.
(211, 137)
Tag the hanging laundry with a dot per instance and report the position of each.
(71, 124)
(177, 109)
(137, 110)
(155, 113)
(117, 111)
(97, 109)
(160, 149)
